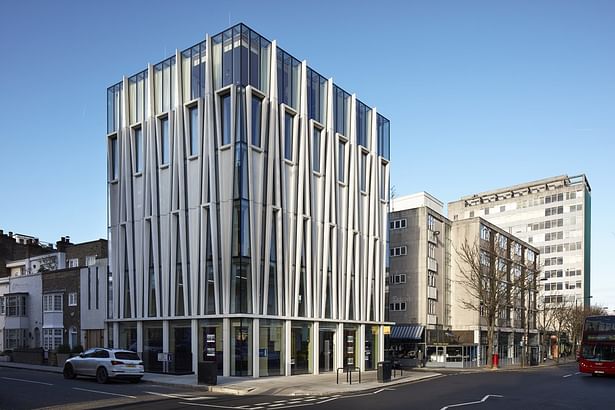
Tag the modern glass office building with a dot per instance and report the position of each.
(247, 209)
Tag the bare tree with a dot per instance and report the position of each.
(486, 286)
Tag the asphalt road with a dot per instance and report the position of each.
(539, 388)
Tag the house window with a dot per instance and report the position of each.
(431, 223)
(73, 263)
(52, 303)
(2, 306)
(400, 278)
(398, 251)
(485, 233)
(431, 306)
(431, 250)
(90, 260)
(72, 299)
(431, 279)
(397, 224)
(397, 306)
(52, 338)
(164, 141)
(193, 118)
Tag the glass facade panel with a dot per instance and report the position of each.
(114, 108)
(316, 136)
(138, 147)
(152, 345)
(341, 161)
(241, 347)
(257, 107)
(164, 141)
(371, 347)
(363, 172)
(288, 79)
(225, 123)
(363, 124)
(341, 110)
(316, 94)
(271, 348)
(300, 348)
(288, 136)
(115, 164)
(383, 137)
(180, 344)
(350, 346)
(137, 93)
(193, 124)
(128, 336)
(326, 342)
(164, 85)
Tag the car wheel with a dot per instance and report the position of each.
(102, 375)
(69, 372)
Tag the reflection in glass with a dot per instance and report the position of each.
(288, 136)
(241, 347)
(316, 149)
(341, 161)
(225, 122)
(271, 348)
(152, 345)
(257, 104)
(193, 118)
(300, 348)
(138, 145)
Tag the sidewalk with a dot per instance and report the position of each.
(309, 384)
(445, 370)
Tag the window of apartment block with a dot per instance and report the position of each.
(397, 224)
(52, 303)
(164, 141)
(399, 278)
(431, 306)
(138, 147)
(398, 251)
(431, 279)
(502, 241)
(72, 299)
(431, 223)
(2, 306)
(431, 248)
(471, 214)
(397, 306)
(485, 233)
(90, 260)
(193, 124)
(73, 263)
(52, 338)
(288, 135)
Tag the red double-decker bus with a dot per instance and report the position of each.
(597, 354)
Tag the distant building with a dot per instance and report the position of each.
(552, 214)
(516, 259)
(419, 282)
(40, 304)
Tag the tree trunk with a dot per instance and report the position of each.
(490, 337)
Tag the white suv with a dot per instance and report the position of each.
(105, 364)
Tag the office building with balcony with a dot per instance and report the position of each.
(552, 214)
(418, 284)
(247, 203)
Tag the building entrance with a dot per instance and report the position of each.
(325, 356)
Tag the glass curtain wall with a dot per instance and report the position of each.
(128, 336)
(152, 345)
(241, 347)
(301, 348)
(350, 346)
(180, 344)
(326, 345)
(371, 347)
(271, 348)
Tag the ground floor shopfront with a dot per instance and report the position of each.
(254, 347)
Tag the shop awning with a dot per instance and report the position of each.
(407, 332)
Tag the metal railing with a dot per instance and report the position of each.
(348, 370)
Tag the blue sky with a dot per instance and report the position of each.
(480, 94)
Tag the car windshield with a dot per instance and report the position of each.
(127, 356)
(599, 352)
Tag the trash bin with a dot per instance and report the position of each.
(495, 360)
(384, 372)
(208, 373)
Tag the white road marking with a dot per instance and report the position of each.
(105, 392)
(218, 406)
(578, 373)
(484, 399)
(27, 381)
(568, 375)
(181, 396)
